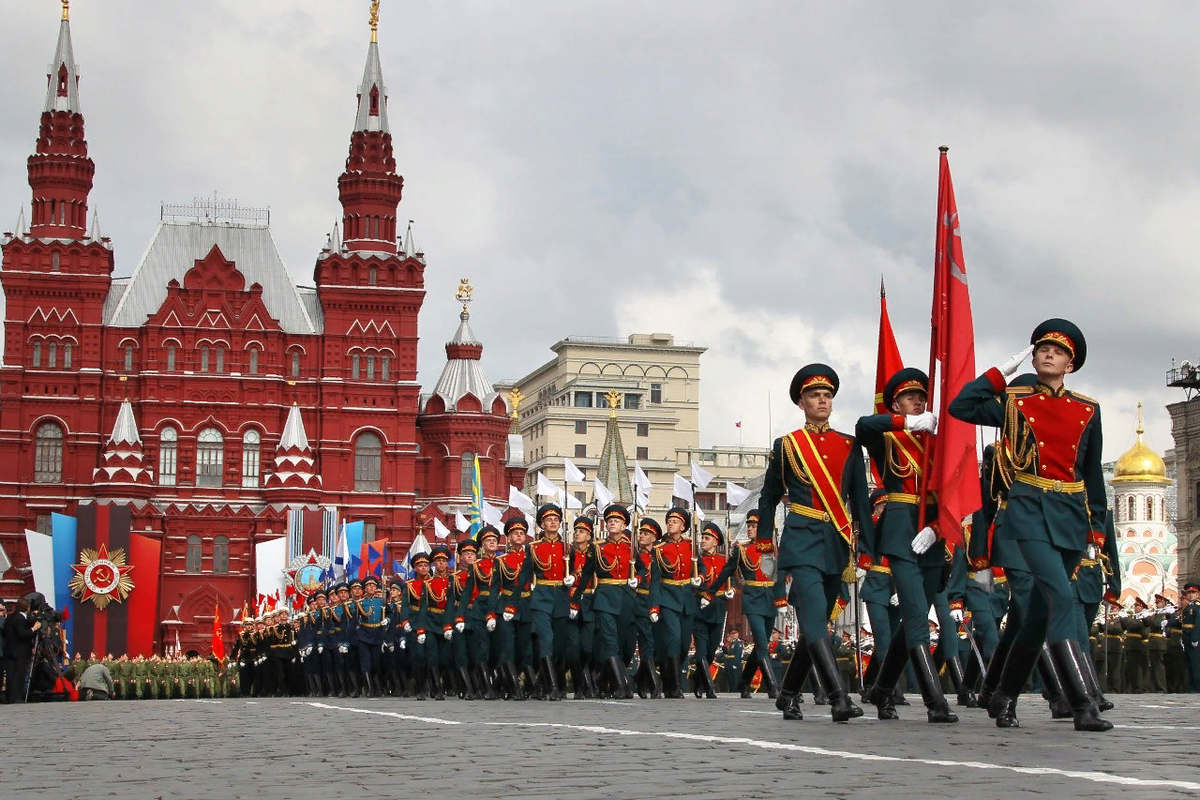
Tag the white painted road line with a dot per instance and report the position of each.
(1095, 777)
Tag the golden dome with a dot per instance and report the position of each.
(1140, 463)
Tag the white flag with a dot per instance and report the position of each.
(682, 489)
(461, 522)
(735, 494)
(440, 530)
(492, 515)
(519, 500)
(545, 488)
(574, 474)
(603, 496)
(641, 487)
(700, 514)
(700, 477)
(573, 503)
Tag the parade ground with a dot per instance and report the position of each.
(730, 748)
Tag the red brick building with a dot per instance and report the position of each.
(212, 394)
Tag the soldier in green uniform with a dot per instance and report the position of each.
(1050, 462)
(646, 680)
(582, 620)
(823, 473)
(1114, 644)
(609, 563)
(1190, 621)
(474, 618)
(763, 596)
(510, 600)
(1175, 660)
(899, 445)
(708, 623)
(1156, 644)
(678, 562)
(545, 570)
(1092, 578)
(1137, 654)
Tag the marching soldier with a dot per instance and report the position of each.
(1050, 462)
(878, 593)
(646, 610)
(898, 444)
(609, 562)
(342, 629)
(1156, 644)
(395, 639)
(1190, 616)
(1095, 578)
(439, 624)
(980, 585)
(545, 569)
(677, 598)
(476, 615)
(1175, 660)
(419, 655)
(467, 551)
(511, 599)
(582, 618)
(369, 629)
(306, 645)
(762, 598)
(823, 474)
(709, 621)
(242, 654)
(1114, 647)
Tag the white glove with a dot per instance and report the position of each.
(633, 583)
(704, 602)
(923, 540)
(654, 616)
(404, 644)
(448, 634)
(420, 638)
(1091, 552)
(407, 627)
(1010, 366)
(729, 593)
(491, 624)
(956, 614)
(926, 422)
(696, 581)
(509, 616)
(859, 573)
(460, 626)
(569, 580)
(895, 601)
(574, 613)
(385, 621)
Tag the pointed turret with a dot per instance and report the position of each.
(463, 374)
(124, 472)
(94, 231)
(613, 471)
(62, 78)
(20, 231)
(295, 478)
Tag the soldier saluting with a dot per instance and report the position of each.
(823, 474)
(1049, 458)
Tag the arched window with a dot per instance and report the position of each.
(67, 355)
(193, 553)
(52, 355)
(55, 262)
(204, 358)
(370, 368)
(220, 359)
(250, 444)
(168, 442)
(47, 455)
(354, 366)
(466, 473)
(170, 358)
(1130, 514)
(296, 365)
(253, 360)
(368, 452)
(221, 555)
(129, 358)
(372, 276)
(37, 362)
(383, 369)
(210, 457)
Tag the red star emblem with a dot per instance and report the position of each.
(98, 576)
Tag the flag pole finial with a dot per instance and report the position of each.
(882, 292)
(944, 149)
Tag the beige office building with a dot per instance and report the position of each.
(564, 414)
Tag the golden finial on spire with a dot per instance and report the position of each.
(374, 19)
(463, 295)
(614, 398)
(1141, 427)
(66, 9)
(515, 398)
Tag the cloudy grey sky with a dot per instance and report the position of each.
(738, 173)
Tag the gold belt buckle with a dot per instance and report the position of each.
(825, 516)
(1058, 486)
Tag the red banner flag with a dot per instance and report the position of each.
(954, 476)
(218, 643)
(887, 361)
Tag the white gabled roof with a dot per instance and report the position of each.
(125, 430)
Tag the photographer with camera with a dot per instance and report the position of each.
(18, 647)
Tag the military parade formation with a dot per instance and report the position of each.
(1027, 599)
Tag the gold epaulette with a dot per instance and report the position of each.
(1085, 398)
(1019, 391)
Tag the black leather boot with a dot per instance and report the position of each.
(639, 682)
(1068, 660)
(550, 676)
(697, 686)
(705, 679)
(672, 679)
(621, 683)
(579, 679)
(937, 709)
(533, 683)
(1018, 666)
(747, 679)
(991, 676)
(352, 679)
(436, 689)
(771, 681)
(1052, 688)
(421, 682)
(869, 677)
(591, 689)
(824, 662)
(789, 692)
(1093, 681)
(656, 686)
(515, 692)
(469, 690)
(891, 667)
(966, 697)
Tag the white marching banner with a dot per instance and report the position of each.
(603, 496)
(735, 495)
(700, 477)
(521, 501)
(440, 530)
(41, 559)
(682, 488)
(641, 487)
(461, 523)
(547, 489)
(574, 474)
(270, 560)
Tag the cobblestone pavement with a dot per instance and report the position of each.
(728, 748)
